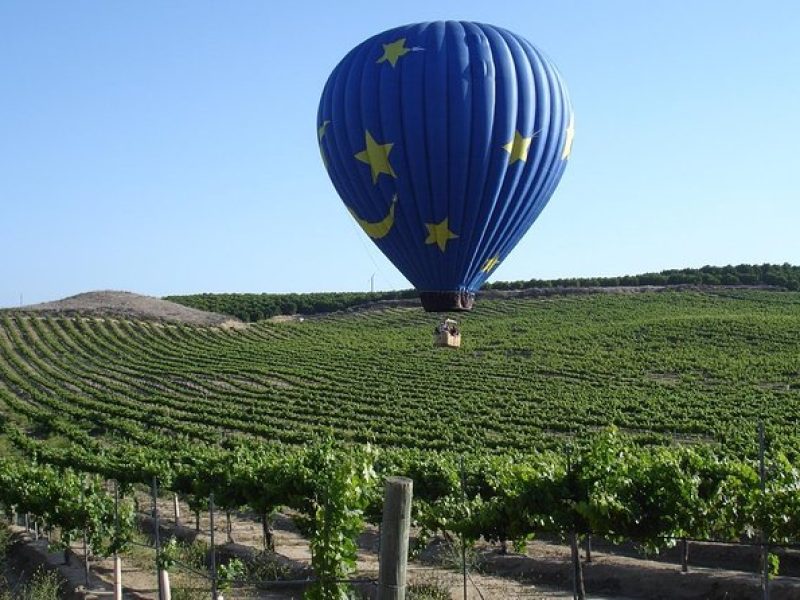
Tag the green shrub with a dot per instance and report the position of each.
(43, 585)
(427, 591)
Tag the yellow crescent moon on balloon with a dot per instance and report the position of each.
(378, 229)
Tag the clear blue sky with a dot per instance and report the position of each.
(170, 147)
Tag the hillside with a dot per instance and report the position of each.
(126, 305)
(532, 372)
(255, 307)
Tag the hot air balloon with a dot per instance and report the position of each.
(445, 140)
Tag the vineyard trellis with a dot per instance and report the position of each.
(129, 401)
(703, 367)
(611, 488)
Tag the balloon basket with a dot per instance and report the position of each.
(447, 335)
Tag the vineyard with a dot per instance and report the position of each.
(531, 374)
(254, 307)
(630, 416)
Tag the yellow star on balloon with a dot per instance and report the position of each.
(377, 157)
(490, 263)
(392, 52)
(570, 136)
(439, 234)
(518, 148)
(322, 129)
(320, 135)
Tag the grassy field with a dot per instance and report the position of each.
(530, 374)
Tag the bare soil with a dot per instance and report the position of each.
(541, 572)
(717, 571)
(292, 549)
(127, 305)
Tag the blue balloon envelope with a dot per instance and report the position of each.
(445, 140)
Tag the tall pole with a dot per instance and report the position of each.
(157, 535)
(762, 471)
(176, 509)
(213, 548)
(85, 544)
(117, 562)
(85, 560)
(684, 555)
(395, 527)
(463, 541)
(578, 590)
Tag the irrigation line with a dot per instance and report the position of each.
(186, 567)
(168, 525)
(266, 584)
(773, 544)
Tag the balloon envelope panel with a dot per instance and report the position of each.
(445, 140)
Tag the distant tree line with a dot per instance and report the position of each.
(255, 307)
(783, 276)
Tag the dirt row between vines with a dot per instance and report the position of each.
(543, 571)
(293, 549)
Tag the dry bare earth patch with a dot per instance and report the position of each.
(542, 571)
(127, 305)
(290, 545)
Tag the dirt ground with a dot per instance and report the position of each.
(246, 533)
(542, 571)
(126, 305)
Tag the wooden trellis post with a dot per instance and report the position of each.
(395, 528)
